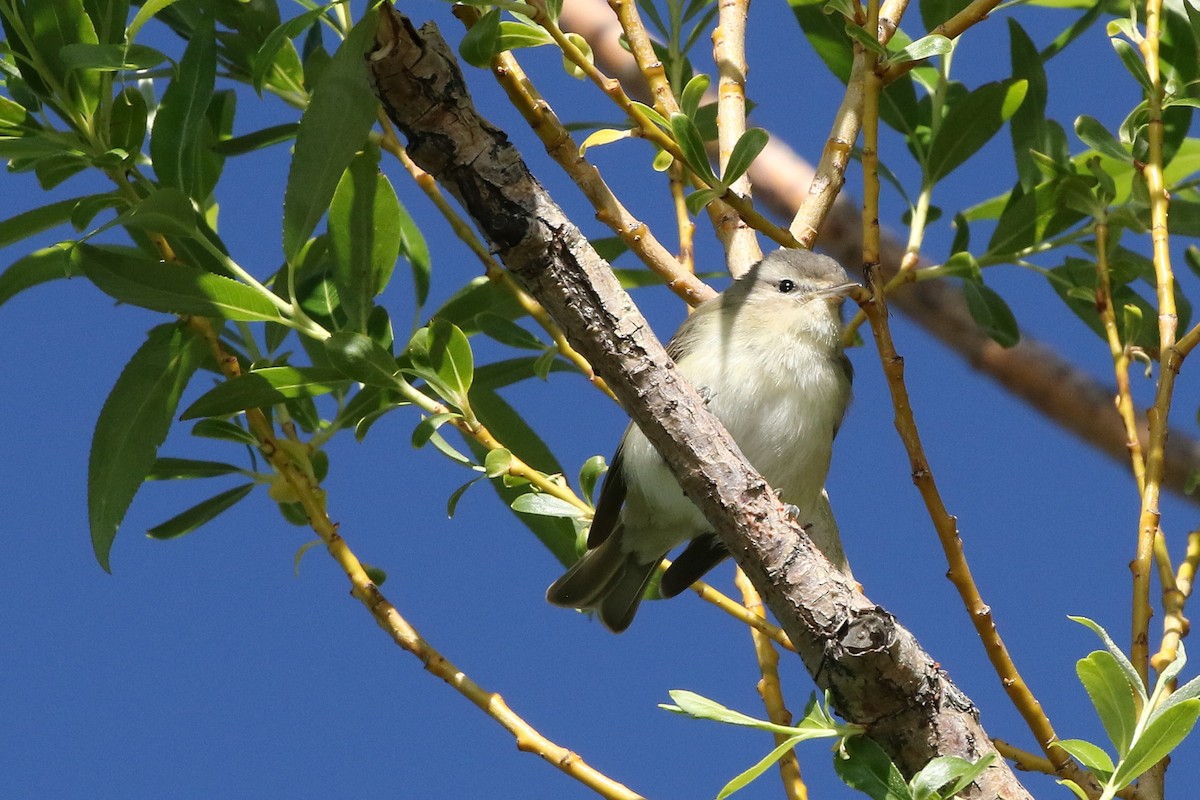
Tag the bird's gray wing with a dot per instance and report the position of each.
(612, 497)
(702, 554)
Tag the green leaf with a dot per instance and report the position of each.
(545, 505)
(1091, 756)
(693, 93)
(173, 288)
(557, 534)
(53, 27)
(428, 426)
(1028, 124)
(256, 140)
(441, 354)
(412, 244)
(148, 10)
(263, 388)
(869, 770)
(1188, 691)
(744, 779)
(166, 469)
(603, 136)
(197, 515)
(687, 135)
(47, 264)
(1096, 136)
(1074, 787)
(1029, 219)
(515, 35)
(497, 463)
(357, 356)
(700, 707)
(970, 124)
(655, 117)
(110, 57)
(180, 133)
(43, 218)
(456, 495)
(167, 211)
(748, 146)
(507, 332)
(926, 47)
(928, 784)
(223, 430)
(1111, 694)
(697, 200)
(867, 40)
(127, 120)
(1132, 60)
(1131, 675)
(991, 313)
(1157, 741)
(364, 237)
(481, 43)
(264, 59)
(589, 476)
(581, 44)
(132, 424)
(332, 130)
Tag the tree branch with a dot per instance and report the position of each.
(876, 672)
(1032, 370)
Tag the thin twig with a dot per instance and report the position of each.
(771, 692)
(1169, 358)
(729, 53)
(648, 130)
(563, 149)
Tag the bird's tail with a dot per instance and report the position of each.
(606, 580)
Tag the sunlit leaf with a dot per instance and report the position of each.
(364, 237)
(481, 43)
(1111, 694)
(1158, 739)
(263, 388)
(174, 288)
(545, 505)
(867, 768)
(747, 148)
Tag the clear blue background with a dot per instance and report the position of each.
(205, 667)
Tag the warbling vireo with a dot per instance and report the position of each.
(766, 355)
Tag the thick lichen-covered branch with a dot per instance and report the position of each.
(847, 642)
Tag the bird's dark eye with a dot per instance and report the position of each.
(786, 286)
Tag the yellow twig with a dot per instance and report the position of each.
(729, 53)
(1023, 759)
(312, 499)
(974, 13)
(647, 129)
(771, 692)
(563, 149)
(738, 611)
(492, 268)
(1169, 357)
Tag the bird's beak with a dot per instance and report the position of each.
(842, 289)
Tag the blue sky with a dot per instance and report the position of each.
(205, 667)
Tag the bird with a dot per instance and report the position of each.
(766, 357)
